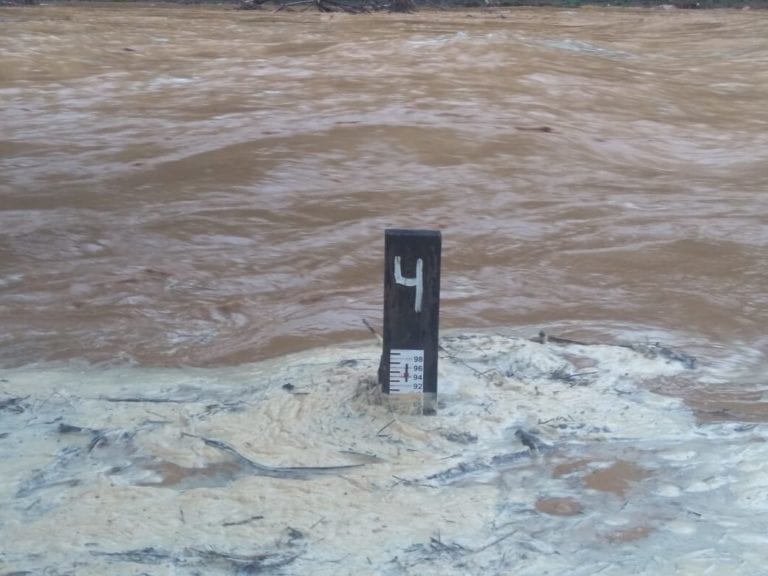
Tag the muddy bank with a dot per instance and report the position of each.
(544, 457)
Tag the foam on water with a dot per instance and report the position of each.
(544, 458)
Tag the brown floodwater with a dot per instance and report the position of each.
(204, 186)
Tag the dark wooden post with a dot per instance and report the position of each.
(411, 314)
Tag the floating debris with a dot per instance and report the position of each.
(459, 437)
(15, 405)
(295, 472)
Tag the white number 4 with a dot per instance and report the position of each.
(417, 281)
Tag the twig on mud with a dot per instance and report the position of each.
(387, 425)
(436, 544)
(651, 350)
(411, 482)
(296, 472)
(140, 399)
(246, 521)
(373, 331)
(497, 541)
(460, 361)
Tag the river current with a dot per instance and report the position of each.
(192, 211)
(200, 186)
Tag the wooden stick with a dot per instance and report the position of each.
(272, 471)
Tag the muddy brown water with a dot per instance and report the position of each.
(202, 186)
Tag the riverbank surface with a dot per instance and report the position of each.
(545, 457)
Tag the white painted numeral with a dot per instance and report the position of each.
(417, 281)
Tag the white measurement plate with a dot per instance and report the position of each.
(406, 371)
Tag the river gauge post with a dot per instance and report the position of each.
(408, 369)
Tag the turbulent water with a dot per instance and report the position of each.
(197, 186)
(187, 190)
(206, 186)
